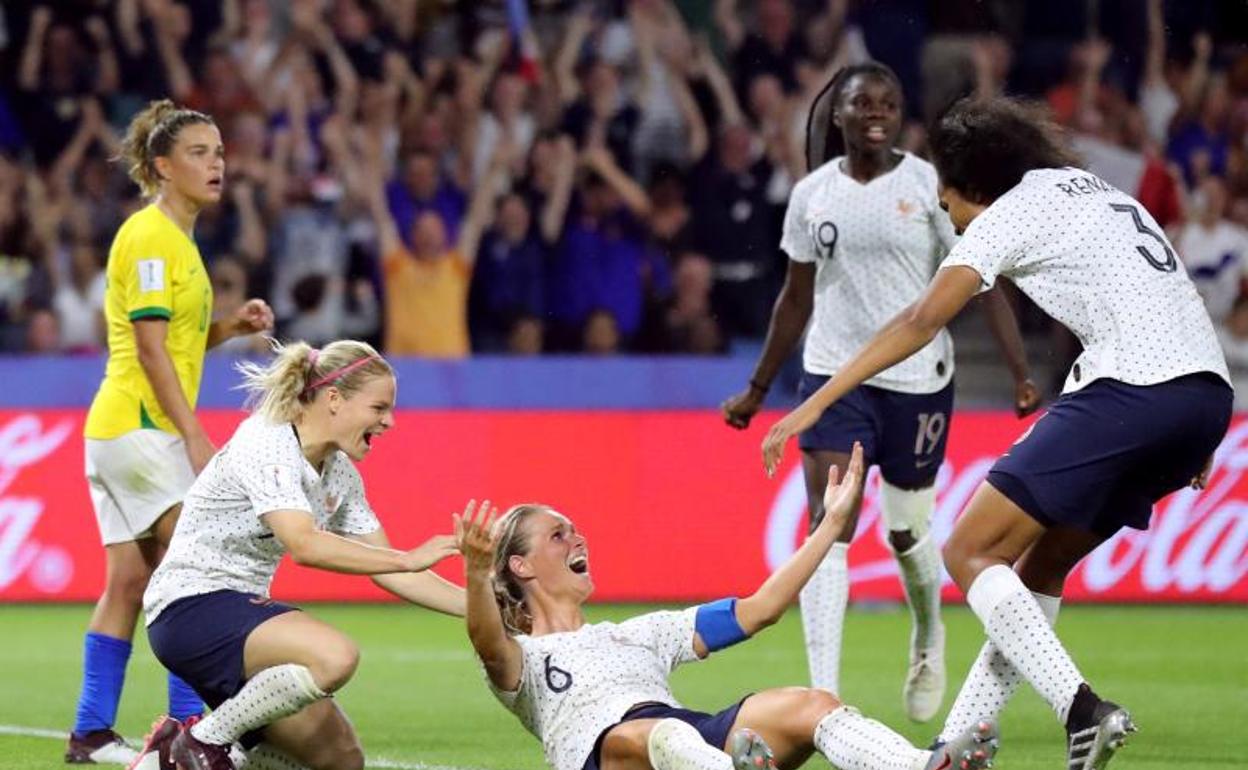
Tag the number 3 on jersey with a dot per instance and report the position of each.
(1169, 264)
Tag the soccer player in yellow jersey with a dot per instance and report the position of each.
(144, 445)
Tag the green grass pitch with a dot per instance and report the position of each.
(418, 699)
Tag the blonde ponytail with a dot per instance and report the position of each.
(152, 134)
(280, 390)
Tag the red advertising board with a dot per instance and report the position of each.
(675, 506)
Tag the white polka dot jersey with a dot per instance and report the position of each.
(221, 541)
(576, 684)
(875, 247)
(1096, 261)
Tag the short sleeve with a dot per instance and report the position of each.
(669, 633)
(994, 241)
(354, 515)
(147, 281)
(795, 239)
(270, 473)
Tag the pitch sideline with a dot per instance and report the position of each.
(382, 763)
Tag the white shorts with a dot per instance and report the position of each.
(134, 479)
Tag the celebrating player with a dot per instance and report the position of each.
(284, 483)
(864, 235)
(597, 694)
(143, 443)
(1143, 408)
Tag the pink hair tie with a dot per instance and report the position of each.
(313, 355)
(339, 373)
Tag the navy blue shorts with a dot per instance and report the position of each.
(201, 639)
(1100, 457)
(713, 728)
(903, 433)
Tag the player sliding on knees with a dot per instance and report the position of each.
(1143, 409)
(284, 483)
(597, 694)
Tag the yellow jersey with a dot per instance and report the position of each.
(154, 271)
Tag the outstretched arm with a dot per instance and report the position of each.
(426, 589)
(312, 547)
(766, 605)
(900, 338)
(499, 653)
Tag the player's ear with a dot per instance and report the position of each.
(161, 164)
(333, 399)
(519, 566)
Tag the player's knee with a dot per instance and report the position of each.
(335, 663)
(901, 540)
(813, 704)
(625, 742)
(127, 587)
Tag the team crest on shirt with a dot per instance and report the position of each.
(906, 207)
(824, 234)
(277, 478)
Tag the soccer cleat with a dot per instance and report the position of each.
(1091, 748)
(190, 753)
(98, 747)
(924, 689)
(973, 749)
(155, 752)
(749, 751)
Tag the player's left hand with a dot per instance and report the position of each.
(254, 316)
(788, 426)
(1026, 397)
(840, 500)
(475, 536)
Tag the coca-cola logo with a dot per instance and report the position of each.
(1197, 542)
(24, 441)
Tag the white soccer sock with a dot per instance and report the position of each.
(1019, 629)
(851, 741)
(920, 576)
(676, 745)
(266, 757)
(823, 600)
(271, 694)
(991, 682)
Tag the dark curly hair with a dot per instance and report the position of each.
(982, 148)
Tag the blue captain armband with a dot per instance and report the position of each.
(717, 624)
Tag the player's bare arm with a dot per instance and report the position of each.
(425, 588)
(766, 605)
(906, 334)
(312, 547)
(788, 319)
(499, 653)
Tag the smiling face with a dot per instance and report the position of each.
(557, 561)
(195, 168)
(358, 419)
(869, 113)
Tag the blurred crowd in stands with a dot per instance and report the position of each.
(503, 176)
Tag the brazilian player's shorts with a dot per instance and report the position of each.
(903, 433)
(134, 479)
(1100, 457)
(713, 728)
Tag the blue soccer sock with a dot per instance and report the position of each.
(104, 661)
(183, 701)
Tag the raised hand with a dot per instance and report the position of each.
(1026, 398)
(475, 536)
(841, 498)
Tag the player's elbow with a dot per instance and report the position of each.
(923, 321)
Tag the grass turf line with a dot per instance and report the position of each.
(419, 698)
